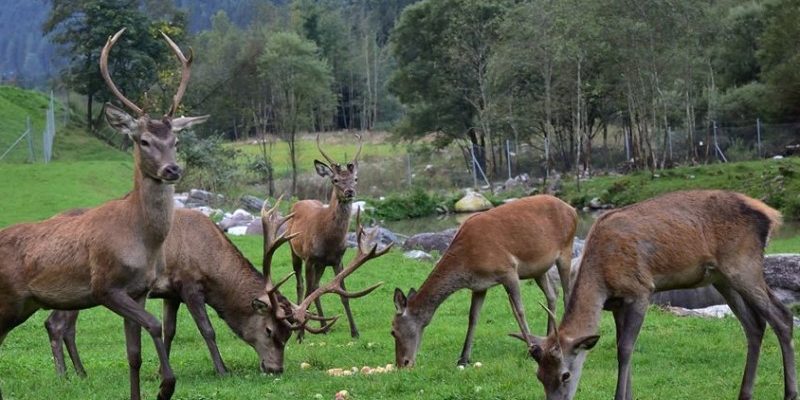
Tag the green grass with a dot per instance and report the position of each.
(71, 142)
(777, 182)
(675, 358)
(340, 146)
(784, 245)
(31, 192)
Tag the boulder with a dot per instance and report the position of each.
(471, 202)
(431, 241)
(251, 203)
(199, 198)
(239, 218)
(701, 297)
(255, 228)
(385, 237)
(595, 203)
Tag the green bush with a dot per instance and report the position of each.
(413, 204)
(209, 165)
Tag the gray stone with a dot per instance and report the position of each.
(199, 197)
(385, 237)
(251, 203)
(437, 241)
(255, 228)
(595, 203)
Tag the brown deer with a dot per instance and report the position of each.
(678, 240)
(324, 229)
(518, 240)
(110, 254)
(216, 274)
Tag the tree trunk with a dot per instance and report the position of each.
(89, 121)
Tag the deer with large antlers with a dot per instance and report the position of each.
(518, 240)
(324, 230)
(85, 261)
(678, 240)
(216, 274)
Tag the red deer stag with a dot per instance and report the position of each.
(678, 240)
(324, 230)
(110, 254)
(518, 240)
(216, 274)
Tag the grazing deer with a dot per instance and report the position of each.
(216, 274)
(678, 240)
(324, 229)
(110, 254)
(518, 240)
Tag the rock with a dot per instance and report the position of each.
(177, 204)
(417, 255)
(718, 311)
(357, 206)
(237, 230)
(471, 202)
(207, 211)
(251, 203)
(255, 228)
(198, 198)
(385, 237)
(430, 241)
(595, 203)
(239, 218)
(782, 273)
(689, 298)
(577, 247)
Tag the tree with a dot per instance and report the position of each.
(779, 54)
(83, 26)
(300, 86)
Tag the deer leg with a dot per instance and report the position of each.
(619, 324)
(70, 343)
(133, 346)
(169, 317)
(564, 265)
(474, 311)
(55, 333)
(312, 284)
(346, 304)
(195, 302)
(633, 317)
(551, 296)
(753, 326)
(759, 297)
(297, 266)
(137, 317)
(514, 297)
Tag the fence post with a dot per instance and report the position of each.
(508, 157)
(31, 154)
(474, 165)
(716, 144)
(758, 136)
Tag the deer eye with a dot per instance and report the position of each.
(565, 376)
(335, 180)
(355, 179)
(144, 143)
(269, 332)
(394, 334)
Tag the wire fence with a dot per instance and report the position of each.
(16, 151)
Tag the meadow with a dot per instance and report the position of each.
(675, 358)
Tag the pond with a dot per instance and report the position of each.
(585, 220)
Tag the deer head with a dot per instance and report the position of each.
(344, 179)
(281, 315)
(154, 139)
(406, 330)
(560, 359)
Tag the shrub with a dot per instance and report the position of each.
(209, 165)
(413, 204)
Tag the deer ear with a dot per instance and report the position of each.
(181, 123)
(121, 121)
(585, 343)
(412, 292)
(352, 166)
(259, 306)
(400, 300)
(322, 168)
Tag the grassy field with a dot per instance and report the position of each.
(341, 146)
(775, 181)
(675, 358)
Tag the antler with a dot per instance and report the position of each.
(360, 146)
(271, 223)
(186, 64)
(107, 77)
(330, 160)
(300, 313)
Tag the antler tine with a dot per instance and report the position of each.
(107, 77)
(330, 160)
(360, 146)
(186, 64)
(552, 316)
(270, 224)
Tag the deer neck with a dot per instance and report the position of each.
(440, 284)
(152, 206)
(584, 308)
(338, 214)
(231, 287)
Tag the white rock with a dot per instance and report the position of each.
(237, 230)
(305, 365)
(242, 213)
(358, 206)
(417, 255)
(478, 364)
(461, 367)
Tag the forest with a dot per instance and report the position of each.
(570, 79)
